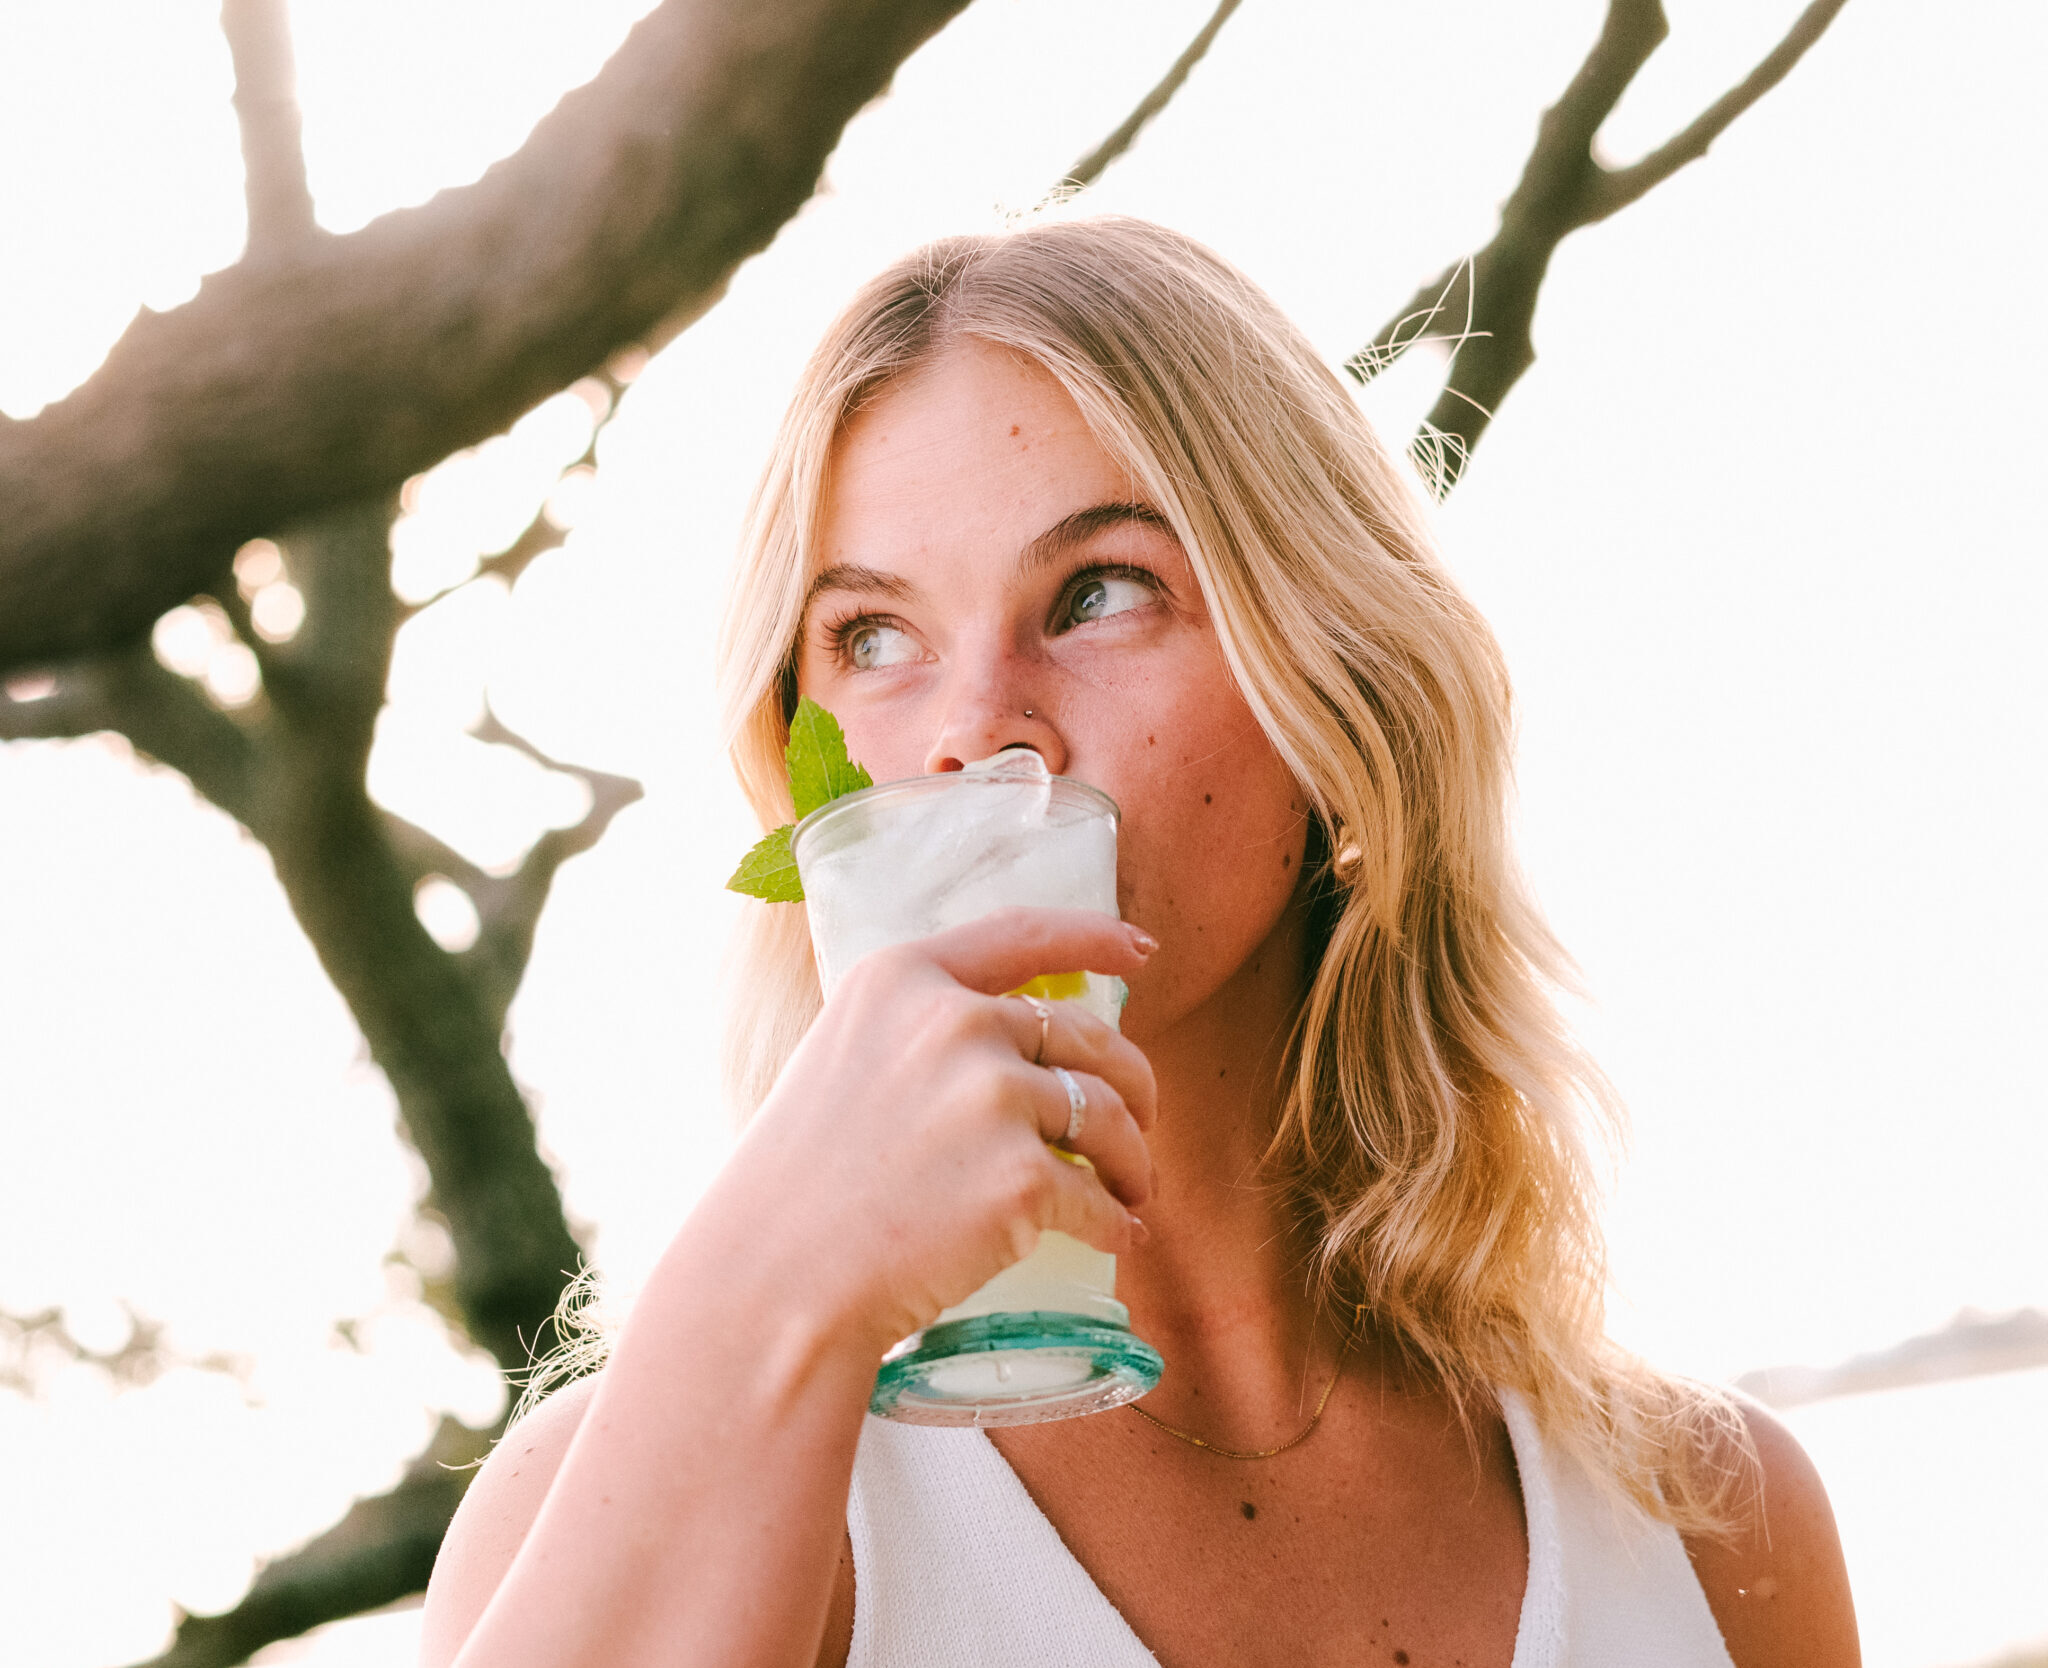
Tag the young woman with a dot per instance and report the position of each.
(1081, 489)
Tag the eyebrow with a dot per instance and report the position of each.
(1042, 552)
(1082, 526)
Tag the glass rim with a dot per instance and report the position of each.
(906, 787)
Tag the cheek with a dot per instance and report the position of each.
(1210, 855)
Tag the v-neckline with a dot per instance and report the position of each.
(1539, 1629)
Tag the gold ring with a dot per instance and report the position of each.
(1043, 1009)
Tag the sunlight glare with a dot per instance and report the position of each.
(232, 676)
(186, 638)
(555, 433)
(447, 912)
(277, 611)
(570, 502)
(257, 564)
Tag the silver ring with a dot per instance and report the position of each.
(1077, 1104)
(1043, 1009)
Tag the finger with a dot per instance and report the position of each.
(1007, 947)
(1078, 1204)
(1108, 1137)
(1078, 1040)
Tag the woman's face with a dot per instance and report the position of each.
(989, 577)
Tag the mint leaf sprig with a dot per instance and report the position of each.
(819, 772)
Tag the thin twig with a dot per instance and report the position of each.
(1089, 169)
(510, 908)
(1562, 188)
(280, 207)
(1621, 186)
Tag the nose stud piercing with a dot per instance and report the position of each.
(1028, 713)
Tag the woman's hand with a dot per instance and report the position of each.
(694, 1499)
(902, 1159)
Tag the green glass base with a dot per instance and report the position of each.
(1013, 1369)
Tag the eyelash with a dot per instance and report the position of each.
(841, 632)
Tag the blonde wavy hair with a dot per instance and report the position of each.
(1440, 1131)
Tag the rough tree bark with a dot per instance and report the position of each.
(329, 372)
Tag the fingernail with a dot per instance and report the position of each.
(1143, 941)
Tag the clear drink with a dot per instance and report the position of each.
(1045, 1339)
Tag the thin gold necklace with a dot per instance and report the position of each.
(1293, 1441)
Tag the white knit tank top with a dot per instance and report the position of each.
(942, 1528)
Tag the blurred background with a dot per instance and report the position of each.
(1755, 532)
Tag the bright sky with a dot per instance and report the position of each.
(1753, 531)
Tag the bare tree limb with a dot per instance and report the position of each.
(280, 206)
(330, 373)
(30, 1342)
(1089, 169)
(1621, 186)
(1491, 295)
(164, 715)
(511, 910)
(540, 535)
(381, 1551)
(436, 1037)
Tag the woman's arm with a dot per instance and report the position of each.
(1779, 1590)
(689, 1506)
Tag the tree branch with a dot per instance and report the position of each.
(164, 715)
(1562, 188)
(280, 207)
(381, 1551)
(1621, 186)
(511, 909)
(330, 373)
(435, 1033)
(27, 1342)
(1089, 169)
(540, 535)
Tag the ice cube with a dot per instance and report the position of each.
(1033, 794)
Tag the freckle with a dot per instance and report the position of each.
(1286, 860)
(1401, 1656)
(1013, 431)
(1151, 741)
(1220, 1073)
(1250, 1511)
(1208, 799)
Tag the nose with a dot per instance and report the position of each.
(988, 709)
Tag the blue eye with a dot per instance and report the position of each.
(1104, 595)
(873, 644)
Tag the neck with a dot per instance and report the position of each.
(1221, 1288)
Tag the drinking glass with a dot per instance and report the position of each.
(1046, 1338)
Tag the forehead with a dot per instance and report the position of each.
(981, 446)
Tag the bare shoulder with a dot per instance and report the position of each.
(1778, 1586)
(491, 1523)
